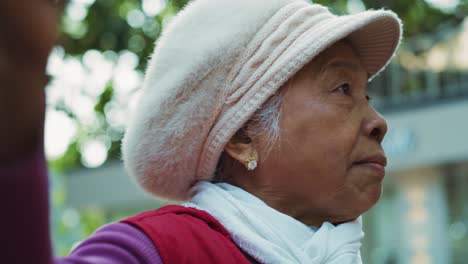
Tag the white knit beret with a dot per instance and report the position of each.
(216, 63)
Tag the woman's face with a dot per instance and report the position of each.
(329, 163)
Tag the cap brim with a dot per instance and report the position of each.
(374, 34)
(376, 40)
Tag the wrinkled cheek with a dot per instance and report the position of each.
(335, 156)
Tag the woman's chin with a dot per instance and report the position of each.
(366, 201)
(372, 196)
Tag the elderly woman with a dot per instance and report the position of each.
(256, 114)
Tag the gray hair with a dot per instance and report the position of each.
(264, 123)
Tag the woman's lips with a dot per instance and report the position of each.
(374, 166)
(376, 162)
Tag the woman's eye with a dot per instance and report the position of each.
(344, 88)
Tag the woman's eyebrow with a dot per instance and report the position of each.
(339, 63)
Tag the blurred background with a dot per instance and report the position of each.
(97, 67)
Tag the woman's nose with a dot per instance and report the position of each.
(376, 125)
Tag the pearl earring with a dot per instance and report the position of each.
(251, 163)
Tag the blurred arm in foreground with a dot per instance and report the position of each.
(28, 30)
(27, 33)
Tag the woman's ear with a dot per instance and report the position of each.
(243, 152)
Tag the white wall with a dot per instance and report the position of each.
(427, 136)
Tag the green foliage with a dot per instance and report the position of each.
(91, 219)
(105, 97)
(66, 228)
(106, 28)
(70, 160)
(339, 7)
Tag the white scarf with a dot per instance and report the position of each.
(272, 237)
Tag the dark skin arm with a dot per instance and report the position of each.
(28, 30)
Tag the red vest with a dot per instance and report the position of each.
(187, 235)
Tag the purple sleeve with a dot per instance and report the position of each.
(24, 212)
(116, 243)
